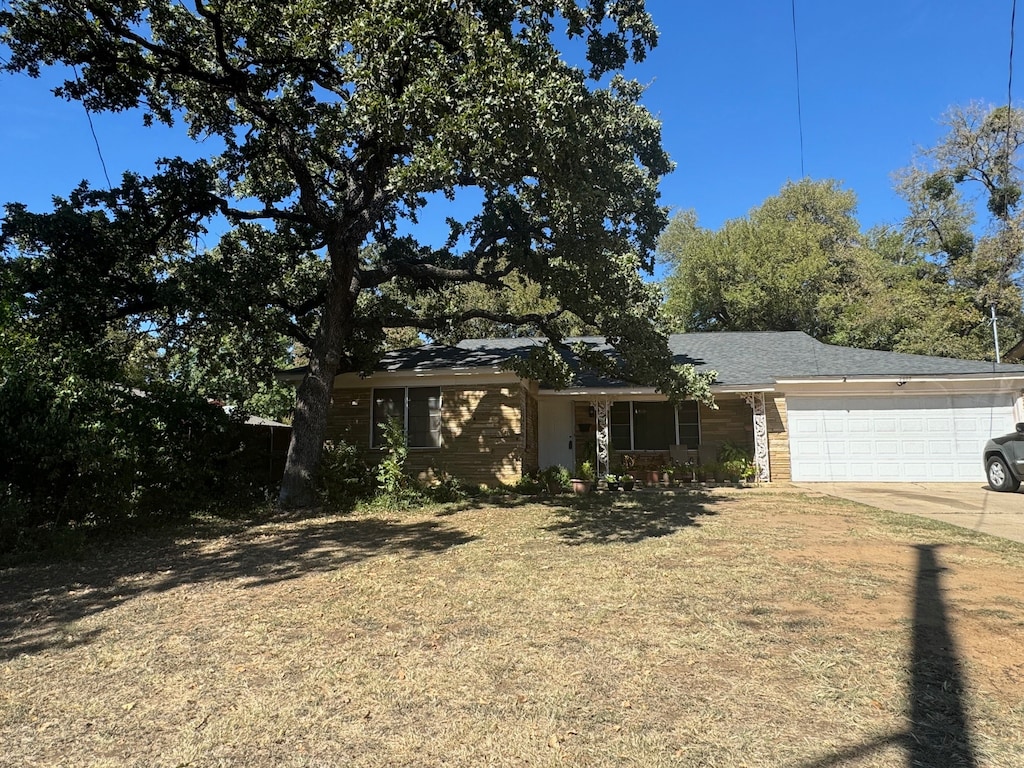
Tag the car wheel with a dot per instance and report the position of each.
(999, 477)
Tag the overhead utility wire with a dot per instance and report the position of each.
(95, 139)
(1009, 84)
(799, 109)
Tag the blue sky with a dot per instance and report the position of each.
(876, 76)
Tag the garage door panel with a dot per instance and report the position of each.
(931, 438)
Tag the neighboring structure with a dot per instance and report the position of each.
(808, 411)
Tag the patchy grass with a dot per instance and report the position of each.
(721, 628)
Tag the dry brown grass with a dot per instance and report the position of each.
(727, 628)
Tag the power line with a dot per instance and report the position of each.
(1009, 85)
(799, 108)
(95, 138)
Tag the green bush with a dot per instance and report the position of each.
(344, 476)
(447, 490)
(556, 478)
(394, 487)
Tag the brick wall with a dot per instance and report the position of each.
(778, 437)
(731, 422)
(482, 438)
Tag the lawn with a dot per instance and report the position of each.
(752, 627)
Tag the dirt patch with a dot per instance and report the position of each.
(727, 628)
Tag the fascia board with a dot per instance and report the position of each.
(432, 377)
(645, 392)
(890, 385)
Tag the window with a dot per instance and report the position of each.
(418, 409)
(653, 426)
(689, 424)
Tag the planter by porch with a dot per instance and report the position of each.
(581, 486)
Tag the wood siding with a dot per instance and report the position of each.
(482, 439)
(778, 437)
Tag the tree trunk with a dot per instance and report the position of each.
(313, 399)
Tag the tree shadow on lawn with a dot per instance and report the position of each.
(630, 518)
(38, 603)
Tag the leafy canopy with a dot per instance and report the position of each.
(336, 122)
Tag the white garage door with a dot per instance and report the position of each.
(893, 439)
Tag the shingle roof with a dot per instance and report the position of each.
(741, 358)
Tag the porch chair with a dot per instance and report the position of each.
(681, 454)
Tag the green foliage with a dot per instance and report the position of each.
(344, 476)
(767, 271)
(585, 471)
(527, 486)
(446, 490)
(335, 124)
(556, 478)
(977, 249)
(799, 262)
(393, 484)
(735, 462)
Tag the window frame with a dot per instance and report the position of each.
(405, 418)
(631, 405)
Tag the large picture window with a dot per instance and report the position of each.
(653, 426)
(417, 409)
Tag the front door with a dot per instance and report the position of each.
(555, 432)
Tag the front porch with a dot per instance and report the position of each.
(640, 434)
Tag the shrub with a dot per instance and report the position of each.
(527, 486)
(556, 478)
(585, 471)
(344, 476)
(447, 490)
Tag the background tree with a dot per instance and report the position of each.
(973, 169)
(800, 262)
(338, 120)
(90, 429)
(772, 270)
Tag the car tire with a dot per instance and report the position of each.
(999, 476)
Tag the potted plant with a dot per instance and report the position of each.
(612, 481)
(667, 473)
(627, 481)
(735, 460)
(733, 469)
(584, 479)
(556, 478)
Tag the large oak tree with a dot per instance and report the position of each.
(338, 121)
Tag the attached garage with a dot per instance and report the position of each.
(910, 437)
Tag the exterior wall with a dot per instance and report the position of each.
(778, 437)
(482, 438)
(490, 433)
(732, 422)
(531, 436)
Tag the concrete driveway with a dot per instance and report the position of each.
(969, 505)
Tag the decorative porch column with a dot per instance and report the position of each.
(601, 412)
(756, 402)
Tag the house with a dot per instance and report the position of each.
(808, 411)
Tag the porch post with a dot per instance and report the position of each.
(756, 402)
(601, 411)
